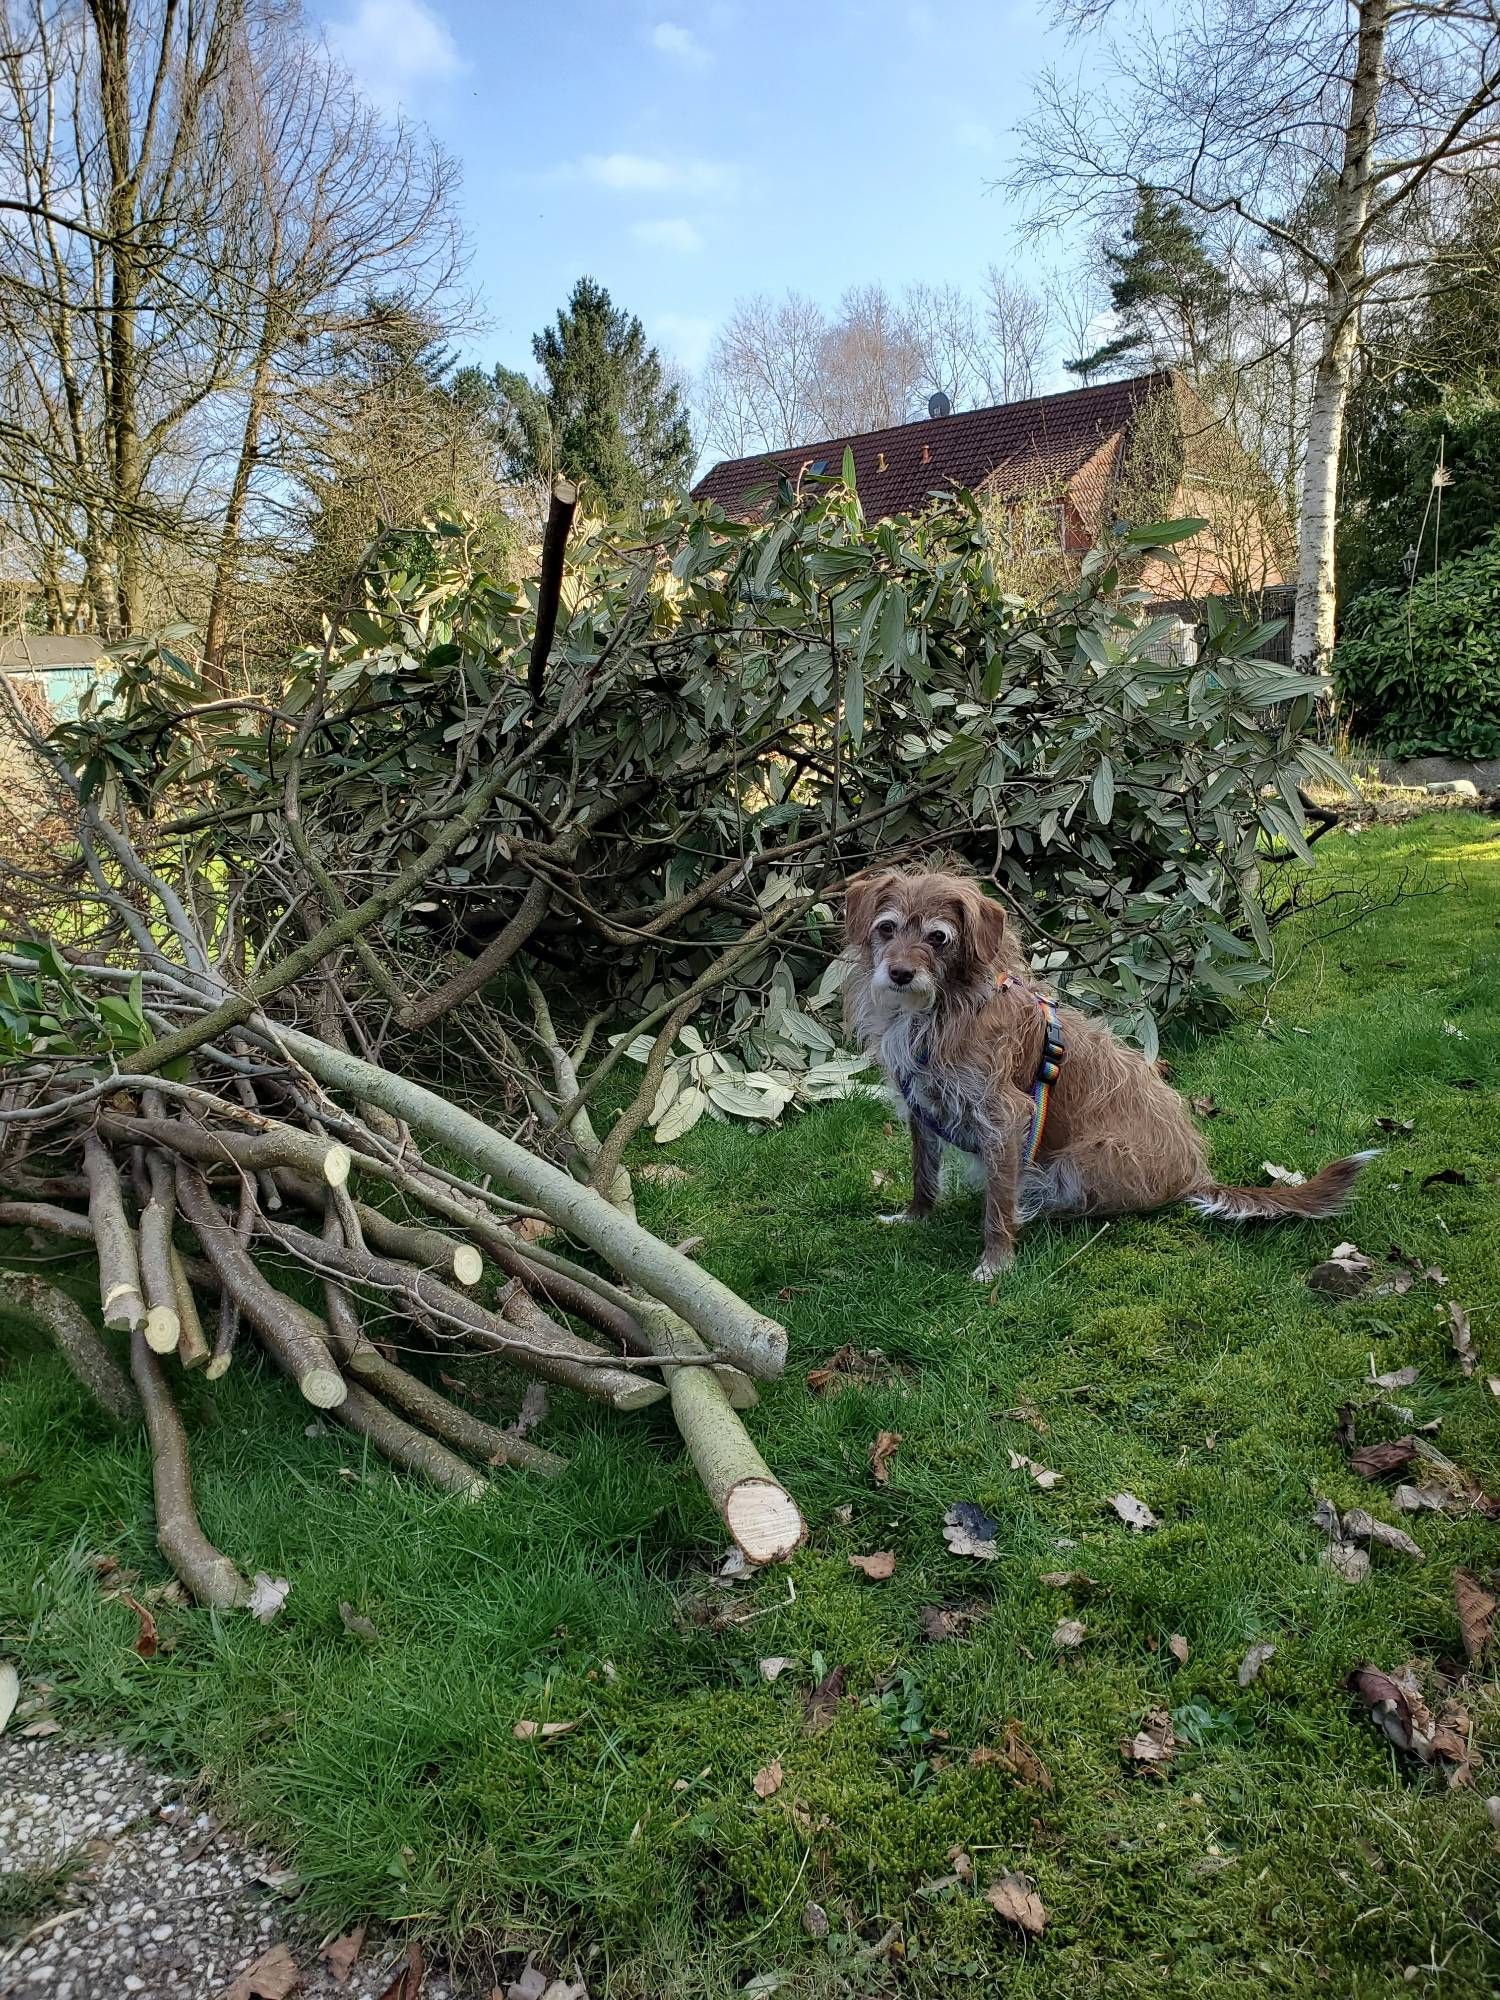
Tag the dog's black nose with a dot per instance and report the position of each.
(901, 975)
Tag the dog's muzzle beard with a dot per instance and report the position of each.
(917, 996)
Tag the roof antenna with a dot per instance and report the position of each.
(938, 405)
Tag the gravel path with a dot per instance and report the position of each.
(158, 1903)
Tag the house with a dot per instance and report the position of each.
(1059, 469)
(47, 672)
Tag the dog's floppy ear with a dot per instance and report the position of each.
(861, 899)
(983, 923)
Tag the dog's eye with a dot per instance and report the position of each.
(884, 929)
(938, 938)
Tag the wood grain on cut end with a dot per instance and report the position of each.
(324, 1388)
(764, 1520)
(163, 1329)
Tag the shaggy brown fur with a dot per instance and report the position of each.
(928, 952)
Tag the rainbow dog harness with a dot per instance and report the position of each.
(1048, 1069)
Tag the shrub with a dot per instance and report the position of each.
(753, 712)
(1420, 670)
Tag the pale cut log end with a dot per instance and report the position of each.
(336, 1164)
(468, 1264)
(764, 1520)
(324, 1388)
(163, 1329)
(217, 1367)
(123, 1307)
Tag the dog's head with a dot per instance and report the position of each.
(922, 936)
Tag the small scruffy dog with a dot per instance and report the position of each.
(1064, 1119)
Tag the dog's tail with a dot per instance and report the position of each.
(1325, 1194)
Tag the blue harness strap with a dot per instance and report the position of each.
(1053, 1050)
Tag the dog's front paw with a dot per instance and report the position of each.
(904, 1215)
(991, 1264)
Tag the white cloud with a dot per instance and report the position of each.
(395, 48)
(672, 232)
(681, 44)
(686, 337)
(642, 173)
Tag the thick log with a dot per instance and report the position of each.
(725, 1321)
(199, 1566)
(405, 1446)
(192, 1342)
(759, 1513)
(46, 1215)
(300, 1352)
(538, 1344)
(158, 1280)
(253, 1152)
(43, 1305)
(114, 1239)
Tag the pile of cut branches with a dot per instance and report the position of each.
(243, 1181)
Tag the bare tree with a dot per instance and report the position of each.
(760, 390)
(1336, 132)
(1017, 322)
(191, 199)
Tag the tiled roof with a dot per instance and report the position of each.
(1034, 447)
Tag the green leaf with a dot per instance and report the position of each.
(1162, 534)
(854, 703)
(1104, 792)
(849, 479)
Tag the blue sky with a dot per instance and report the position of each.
(689, 155)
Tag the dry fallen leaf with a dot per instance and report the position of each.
(1394, 1125)
(969, 1531)
(1345, 1271)
(358, 1626)
(267, 1596)
(1254, 1660)
(145, 1638)
(772, 1668)
(533, 1410)
(46, 1725)
(1492, 1383)
(820, 1705)
(1398, 1378)
(1043, 1478)
(1460, 1337)
(1369, 1533)
(882, 1451)
(10, 1692)
(272, 1976)
(1153, 1743)
(1398, 1707)
(1068, 1633)
(877, 1567)
(1068, 1579)
(1476, 1614)
(658, 1175)
(1204, 1106)
(409, 1977)
(533, 1982)
(342, 1953)
(1379, 1461)
(1019, 1759)
(1178, 1647)
(950, 1621)
(815, 1920)
(1134, 1513)
(527, 1731)
(767, 1779)
(1446, 1177)
(1288, 1176)
(1013, 1898)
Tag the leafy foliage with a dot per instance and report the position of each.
(1395, 525)
(758, 710)
(1170, 299)
(1421, 668)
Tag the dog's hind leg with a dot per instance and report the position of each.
(925, 1159)
(1008, 1121)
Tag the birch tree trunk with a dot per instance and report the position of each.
(1312, 625)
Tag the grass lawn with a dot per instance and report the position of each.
(1287, 1847)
